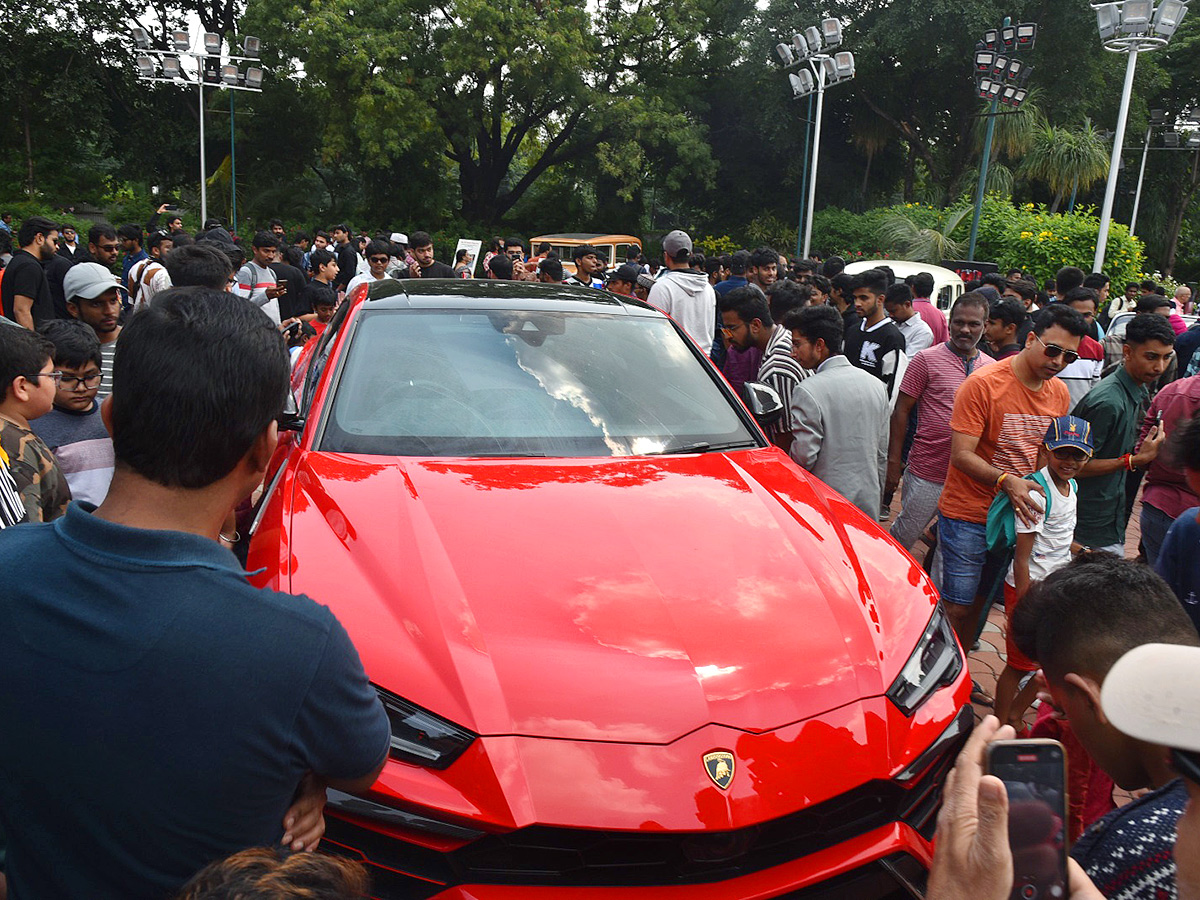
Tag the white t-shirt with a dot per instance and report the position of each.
(917, 335)
(364, 279)
(1055, 532)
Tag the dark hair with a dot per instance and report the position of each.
(1019, 273)
(181, 239)
(101, 230)
(842, 282)
(816, 323)
(898, 293)
(274, 872)
(264, 239)
(318, 258)
(374, 248)
(514, 241)
(1149, 328)
(157, 237)
(1134, 285)
(319, 233)
(921, 284)
(1006, 309)
(460, 254)
(1151, 303)
(874, 280)
(762, 256)
(75, 343)
(1066, 278)
(712, 265)
(995, 279)
(341, 226)
(22, 352)
(833, 267)
(1023, 286)
(1148, 285)
(200, 375)
(201, 264)
(32, 227)
(1078, 294)
(300, 236)
(501, 267)
(1088, 614)
(130, 232)
(419, 239)
(275, 222)
(292, 255)
(1061, 315)
(1184, 444)
(820, 283)
(1096, 280)
(972, 298)
(784, 296)
(749, 304)
(739, 261)
(552, 266)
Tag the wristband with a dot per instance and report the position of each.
(1000, 480)
(1128, 460)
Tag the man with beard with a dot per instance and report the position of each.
(91, 292)
(24, 291)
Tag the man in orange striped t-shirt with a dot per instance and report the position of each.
(1000, 417)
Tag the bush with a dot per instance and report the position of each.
(856, 235)
(1030, 238)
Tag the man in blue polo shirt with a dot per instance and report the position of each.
(158, 712)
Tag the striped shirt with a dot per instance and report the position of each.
(781, 372)
(932, 378)
(252, 283)
(107, 352)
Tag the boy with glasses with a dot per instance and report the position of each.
(32, 487)
(73, 429)
(378, 258)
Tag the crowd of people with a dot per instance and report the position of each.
(1012, 431)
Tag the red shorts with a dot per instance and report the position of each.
(1016, 658)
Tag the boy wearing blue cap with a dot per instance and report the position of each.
(1042, 547)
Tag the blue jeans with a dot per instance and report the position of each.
(963, 549)
(1155, 523)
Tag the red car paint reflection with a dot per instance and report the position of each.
(597, 625)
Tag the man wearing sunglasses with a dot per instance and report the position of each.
(1114, 408)
(378, 259)
(1000, 417)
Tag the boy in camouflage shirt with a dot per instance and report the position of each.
(32, 487)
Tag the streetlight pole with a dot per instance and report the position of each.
(1137, 196)
(998, 78)
(1131, 27)
(163, 66)
(816, 153)
(1110, 189)
(818, 68)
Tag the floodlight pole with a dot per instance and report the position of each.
(983, 166)
(1137, 196)
(1110, 190)
(808, 123)
(816, 153)
(203, 166)
(232, 166)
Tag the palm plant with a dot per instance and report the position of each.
(909, 240)
(1066, 160)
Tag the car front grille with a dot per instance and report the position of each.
(575, 857)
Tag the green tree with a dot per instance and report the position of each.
(1066, 160)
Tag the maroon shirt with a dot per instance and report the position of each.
(934, 318)
(1165, 487)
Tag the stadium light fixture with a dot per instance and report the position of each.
(831, 31)
(181, 40)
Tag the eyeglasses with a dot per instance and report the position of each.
(75, 382)
(378, 259)
(57, 376)
(107, 248)
(1065, 453)
(1053, 351)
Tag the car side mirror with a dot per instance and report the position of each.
(290, 419)
(763, 402)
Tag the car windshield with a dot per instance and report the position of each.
(491, 383)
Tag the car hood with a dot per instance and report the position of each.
(631, 599)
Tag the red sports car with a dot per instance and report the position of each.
(628, 648)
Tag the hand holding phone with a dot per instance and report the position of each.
(1034, 773)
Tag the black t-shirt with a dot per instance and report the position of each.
(850, 318)
(437, 270)
(347, 261)
(24, 275)
(292, 303)
(56, 269)
(876, 350)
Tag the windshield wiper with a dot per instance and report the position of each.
(700, 447)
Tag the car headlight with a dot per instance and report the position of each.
(421, 738)
(935, 663)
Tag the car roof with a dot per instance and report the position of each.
(478, 293)
(903, 268)
(582, 236)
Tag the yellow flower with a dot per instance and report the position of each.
(1025, 235)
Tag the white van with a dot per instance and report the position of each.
(947, 285)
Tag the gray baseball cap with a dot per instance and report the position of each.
(676, 242)
(88, 280)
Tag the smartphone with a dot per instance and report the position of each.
(283, 285)
(1035, 774)
(171, 207)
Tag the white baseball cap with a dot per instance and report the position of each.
(1152, 693)
(88, 280)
